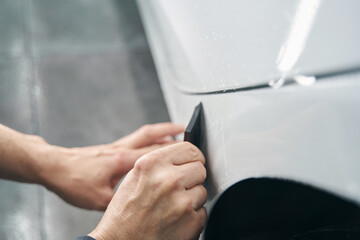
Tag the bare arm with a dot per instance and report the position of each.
(86, 176)
(20, 156)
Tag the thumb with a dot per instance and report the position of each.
(150, 134)
(122, 163)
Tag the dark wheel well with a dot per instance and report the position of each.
(266, 208)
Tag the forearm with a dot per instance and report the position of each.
(22, 157)
(85, 176)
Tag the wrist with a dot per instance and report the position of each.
(96, 235)
(107, 231)
(31, 150)
(99, 236)
(43, 157)
(50, 165)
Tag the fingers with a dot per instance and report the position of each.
(195, 173)
(198, 195)
(201, 219)
(180, 153)
(141, 151)
(198, 223)
(185, 157)
(164, 140)
(150, 134)
(127, 158)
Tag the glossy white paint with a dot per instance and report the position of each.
(308, 131)
(207, 45)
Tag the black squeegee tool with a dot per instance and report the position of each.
(195, 131)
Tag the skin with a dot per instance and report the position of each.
(161, 198)
(86, 176)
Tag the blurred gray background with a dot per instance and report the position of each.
(77, 72)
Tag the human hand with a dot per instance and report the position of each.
(160, 199)
(86, 176)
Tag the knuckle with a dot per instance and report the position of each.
(186, 205)
(204, 191)
(188, 145)
(158, 153)
(203, 173)
(149, 160)
(157, 156)
(202, 217)
(138, 165)
(189, 206)
(204, 194)
(194, 152)
(144, 164)
(200, 170)
(168, 182)
(176, 180)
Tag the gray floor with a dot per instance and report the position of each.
(77, 72)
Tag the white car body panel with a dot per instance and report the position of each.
(310, 134)
(214, 45)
